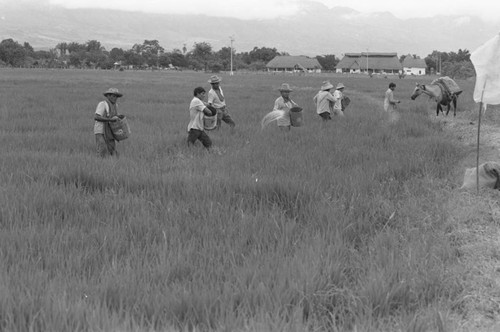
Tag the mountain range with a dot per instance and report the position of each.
(314, 30)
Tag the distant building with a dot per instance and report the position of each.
(350, 63)
(370, 63)
(412, 66)
(294, 64)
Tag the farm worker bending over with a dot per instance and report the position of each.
(390, 104)
(106, 112)
(284, 103)
(324, 101)
(217, 100)
(338, 94)
(197, 110)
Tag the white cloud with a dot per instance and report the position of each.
(486, 9)
(222, 8)
(245, 9)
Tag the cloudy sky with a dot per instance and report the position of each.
(245, 9)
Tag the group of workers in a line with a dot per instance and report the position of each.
(327, 103)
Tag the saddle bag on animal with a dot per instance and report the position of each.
(121, 129)
(449, 84)
(489, 176)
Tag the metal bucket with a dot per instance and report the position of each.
(210, 122)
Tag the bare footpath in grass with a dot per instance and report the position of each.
(476, 217)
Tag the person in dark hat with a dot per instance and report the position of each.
(106, 112)
(324, 101)
(216, 99)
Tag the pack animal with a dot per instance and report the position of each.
(439, 94)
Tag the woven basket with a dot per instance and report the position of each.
(120, 129)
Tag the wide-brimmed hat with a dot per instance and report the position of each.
(326, 86)
(113, 91)
(214, 79)
(340, 86)
(285, 87)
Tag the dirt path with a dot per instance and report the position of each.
(476, 217)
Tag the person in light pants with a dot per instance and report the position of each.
(216, 99)
(391, 104)
(284, 103)
(106, 112)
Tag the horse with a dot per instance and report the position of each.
(435, 91)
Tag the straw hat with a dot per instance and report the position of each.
(214, 79)
(285, 87)
(326, 85)
(113, 91)
(340, 86)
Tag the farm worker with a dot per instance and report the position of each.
(217, 100)
(197, 110)
(324, 101)
(106, 112)
(284, 103)
(390, 104)
(338, 94)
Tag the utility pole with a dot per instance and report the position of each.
(367, 73)
(231, 38)
(440, 64)
(435, 58)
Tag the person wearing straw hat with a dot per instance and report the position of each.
(324, 101)
(338, 94)
(284, 104)
(106, 112)
(197, 110)
(216, 99)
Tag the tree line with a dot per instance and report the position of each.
(150, 54)
(452, 64)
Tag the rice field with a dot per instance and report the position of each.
(337, 226)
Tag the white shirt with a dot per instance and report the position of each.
(281, 105)
(102, 110)
(214, 100)
(389, 101)
(196, 114)
(337, 95)
(324, 101)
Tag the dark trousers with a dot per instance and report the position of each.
(325, 116)
(195, 134)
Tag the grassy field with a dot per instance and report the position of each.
(330, 227)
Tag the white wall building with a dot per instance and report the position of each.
(412, 66)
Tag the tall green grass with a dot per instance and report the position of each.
(337, 226)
